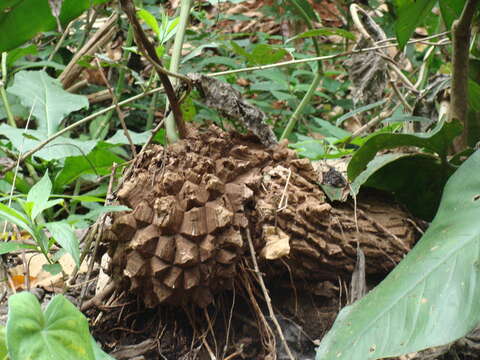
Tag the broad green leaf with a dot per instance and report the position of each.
(119, 137)
(198, 51)
(16, 107)
(98, 352)
(49, 101)
(359, 110)
(20, 52)
(268, 86)
(282, 96)
(59, 148)
(39, 194)
(21, 20)
(215, 60)
(431, 297)
(20, 184)
(238, 49)
(317, 149)
(64, 235)
(61, 333)
(411, 13)
(263, 54)
(329, 130)
(15, 217)
(149, 20)
(323, 32)
(451, 10)
(9, 246)
(25, 65)
(373, 166)
(393, 173)
(439, 140)
(98, 162)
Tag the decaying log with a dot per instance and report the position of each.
(192, 201)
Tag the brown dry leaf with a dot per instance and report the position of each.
(277, 243)
(243, 82)
(40, 277)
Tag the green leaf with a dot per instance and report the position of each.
(359, 110)
(61, 333)
(20, 52)
(98, 162)
(119, 137)
(98, 352)
(411, 13)
(437, 141)
(323, 32)
(64, 235)
(53, 269)
(49, 101)
(431, 297)
(39, 194)
(451, 10)
(393, 173)
(82, 198)
(373, 166)
(9, 246)
(20, 184)
(263, 54)
(329, 130)
(15, 106)
(149, 20)
(15, 217)
(19, 23)
(59, 148)
(307, 9)
(3, 344)
(474, 95)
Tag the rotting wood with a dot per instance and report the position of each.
(183, 240)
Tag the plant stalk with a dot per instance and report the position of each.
(461, 36)
(185, 7)
(316, 80)
(3, 93)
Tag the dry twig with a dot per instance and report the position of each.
(266, 295)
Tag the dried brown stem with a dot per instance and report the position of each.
(148, 50)
(266, 295)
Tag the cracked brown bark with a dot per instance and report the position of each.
(191, 202)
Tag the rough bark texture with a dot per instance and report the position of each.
(192, 200)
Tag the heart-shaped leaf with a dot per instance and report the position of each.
(61, 333)
(431, 297)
